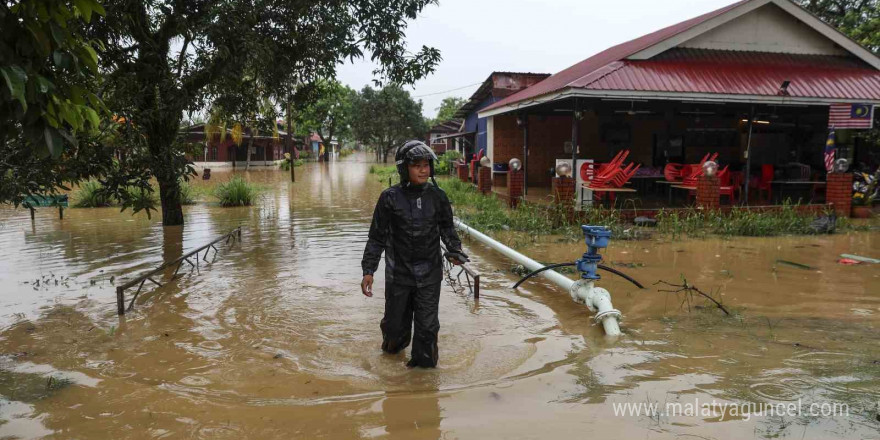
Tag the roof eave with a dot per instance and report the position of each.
(674, 96)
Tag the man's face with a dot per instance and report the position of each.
(419, 171)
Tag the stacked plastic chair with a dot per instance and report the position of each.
(697, 170)
(611, 175)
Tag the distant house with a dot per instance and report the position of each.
(438, 135)
(471, 136)
(266, 148)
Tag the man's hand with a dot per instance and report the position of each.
(367, 285)
(457, 258)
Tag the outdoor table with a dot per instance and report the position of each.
(669, 190)
(585, 186)
(786, 184)
(641, 183)
(684, 187)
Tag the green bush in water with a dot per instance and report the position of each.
(89, 195)
(284, 164)
(141, 199)
(187, 193)
(236, 192)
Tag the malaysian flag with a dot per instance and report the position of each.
(851, 116)
(830, 149)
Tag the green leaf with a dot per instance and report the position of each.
(85, 8)
(41, 38)
(53, 141)
(96, 6)
(16, 78)
(92, 116)
(91, 58)
(43, 84)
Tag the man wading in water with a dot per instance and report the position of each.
(409, 221)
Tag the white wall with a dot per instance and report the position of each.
(766, 29)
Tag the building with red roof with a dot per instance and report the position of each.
(757, 77)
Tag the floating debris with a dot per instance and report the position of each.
(860, 258)
(793, 264)
(629, 264)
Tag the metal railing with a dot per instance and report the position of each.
(472, 277)
(233, 235)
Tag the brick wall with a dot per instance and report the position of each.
(708, 192)
(563, 190)
(484, 180)
(462, 172)
(839, 192)
(515, 187)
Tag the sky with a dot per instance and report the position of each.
(477, 37)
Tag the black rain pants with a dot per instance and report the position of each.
(404, 306)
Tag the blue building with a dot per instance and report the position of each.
(473, 135)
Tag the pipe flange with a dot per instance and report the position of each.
(606, 314)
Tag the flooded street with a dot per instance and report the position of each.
(273, 339)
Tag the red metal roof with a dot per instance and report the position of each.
(705, 71)
(739, 73)
(566, 77)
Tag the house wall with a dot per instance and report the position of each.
(478, 125)
(766, 29)
(603, 134)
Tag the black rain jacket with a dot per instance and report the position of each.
(408, 224)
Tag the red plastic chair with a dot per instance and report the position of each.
(731, 184)
(764, 183)
(672, 172)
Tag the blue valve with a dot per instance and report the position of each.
(596, 237)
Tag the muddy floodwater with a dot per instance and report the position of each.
(272, 339)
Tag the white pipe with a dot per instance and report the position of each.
(597, 299)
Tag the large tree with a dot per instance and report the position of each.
(858, 19)
(385, 119)
(47, 71)
(447, 109)
(162, 58)
(329, 115)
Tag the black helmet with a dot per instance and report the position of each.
(409, 153)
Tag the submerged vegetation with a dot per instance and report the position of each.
(91, 194)
(284, 164)
(491, 214)
(236, 192)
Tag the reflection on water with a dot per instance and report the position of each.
(273, 339)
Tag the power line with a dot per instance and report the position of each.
(450, 90)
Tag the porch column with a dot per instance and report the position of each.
(514, 187)
(523, 121)
(575, 121)
(708, 192)
(484, 180)
(462, 171)
(838, 192)
(563, 190)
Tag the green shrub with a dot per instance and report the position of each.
(188, 193)
(89, 195)
(236, 192)
(383, 172)
(442, 167)
(141, 199)
(284, 164)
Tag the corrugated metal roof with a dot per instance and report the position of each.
(486, 89)
(740, 73)
(705, 71)
(586, 67)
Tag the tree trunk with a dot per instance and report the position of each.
(169, 194)
(290, 148)
(247, 164)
